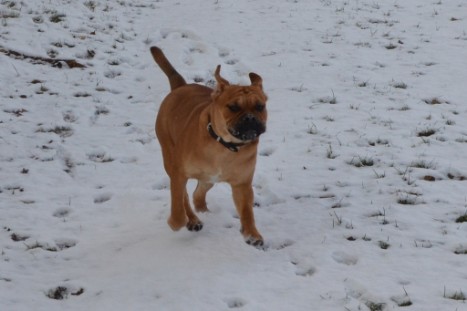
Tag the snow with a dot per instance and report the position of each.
(360, 178)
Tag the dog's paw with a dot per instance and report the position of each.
(255, 241)
(194, 225)
(177, 224)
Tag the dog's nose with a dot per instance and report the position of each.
(249, 118)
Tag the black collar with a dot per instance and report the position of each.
(231, 146)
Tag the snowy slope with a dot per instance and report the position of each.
(360, 186)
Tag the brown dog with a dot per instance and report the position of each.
(212, 136)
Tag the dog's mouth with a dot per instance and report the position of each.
(248, 128)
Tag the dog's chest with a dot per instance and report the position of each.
(215, 178)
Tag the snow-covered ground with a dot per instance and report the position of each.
(361, 181)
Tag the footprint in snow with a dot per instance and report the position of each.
(62, 212)
(266, 152)
(278, 245)
(344, 258)
(101, 198)
(184, 34)
(223, 52)
(65, 243)
(303, 268)
(233, 303)
(231, 61)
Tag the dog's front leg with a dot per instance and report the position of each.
(178, 218)
(243, 198)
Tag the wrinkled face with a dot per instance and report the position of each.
(242, 109)
(245, 113)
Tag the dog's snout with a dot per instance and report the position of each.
(249, 118)
(249, 127)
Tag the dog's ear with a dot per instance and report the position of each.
(221, 82)
(219, 79)
(256, 80)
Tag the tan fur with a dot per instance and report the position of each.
(189, 151)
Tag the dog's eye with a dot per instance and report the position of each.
(259, 107)
(234, 107)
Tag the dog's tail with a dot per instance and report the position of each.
(175, 79)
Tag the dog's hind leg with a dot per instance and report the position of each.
(199, 196)
(194, 224)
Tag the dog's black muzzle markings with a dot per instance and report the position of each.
(248, 128)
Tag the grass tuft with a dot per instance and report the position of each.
(461, 251)
(457, 295)
(361, 161)
(57, 18)
(384, 245)
(375, 306)
(434, 101)
(423, 164)
(426, 132)
(457, 177)
(400, 85)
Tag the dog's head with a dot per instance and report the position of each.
(239, 112)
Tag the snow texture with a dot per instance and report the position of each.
(361, 180)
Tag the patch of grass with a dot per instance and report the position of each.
(402, 301)
(429, 178)
(52, 53)
(18, 237)
(399, 85)
(457, 177)
(328, 99)
(461, 251)
(383, 245)
(101, 110)
(4, 14)
(57, 17)
(423, 164)
(330, 153)
(379, 141)
(434, 101)
(379, 175)
(361, 161)
(298, 89)
(62, 131)
(81, 94)
(58, 293)
(62, 292)
(100, 157)
(42, 90)
(40, 245)
(462, 218)
(366, 238)
(404, 108)
(407, 200)
(457, 295)
(375, 306)
(312, 129)
(91, 5)
(426, 132)
(17, 112)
